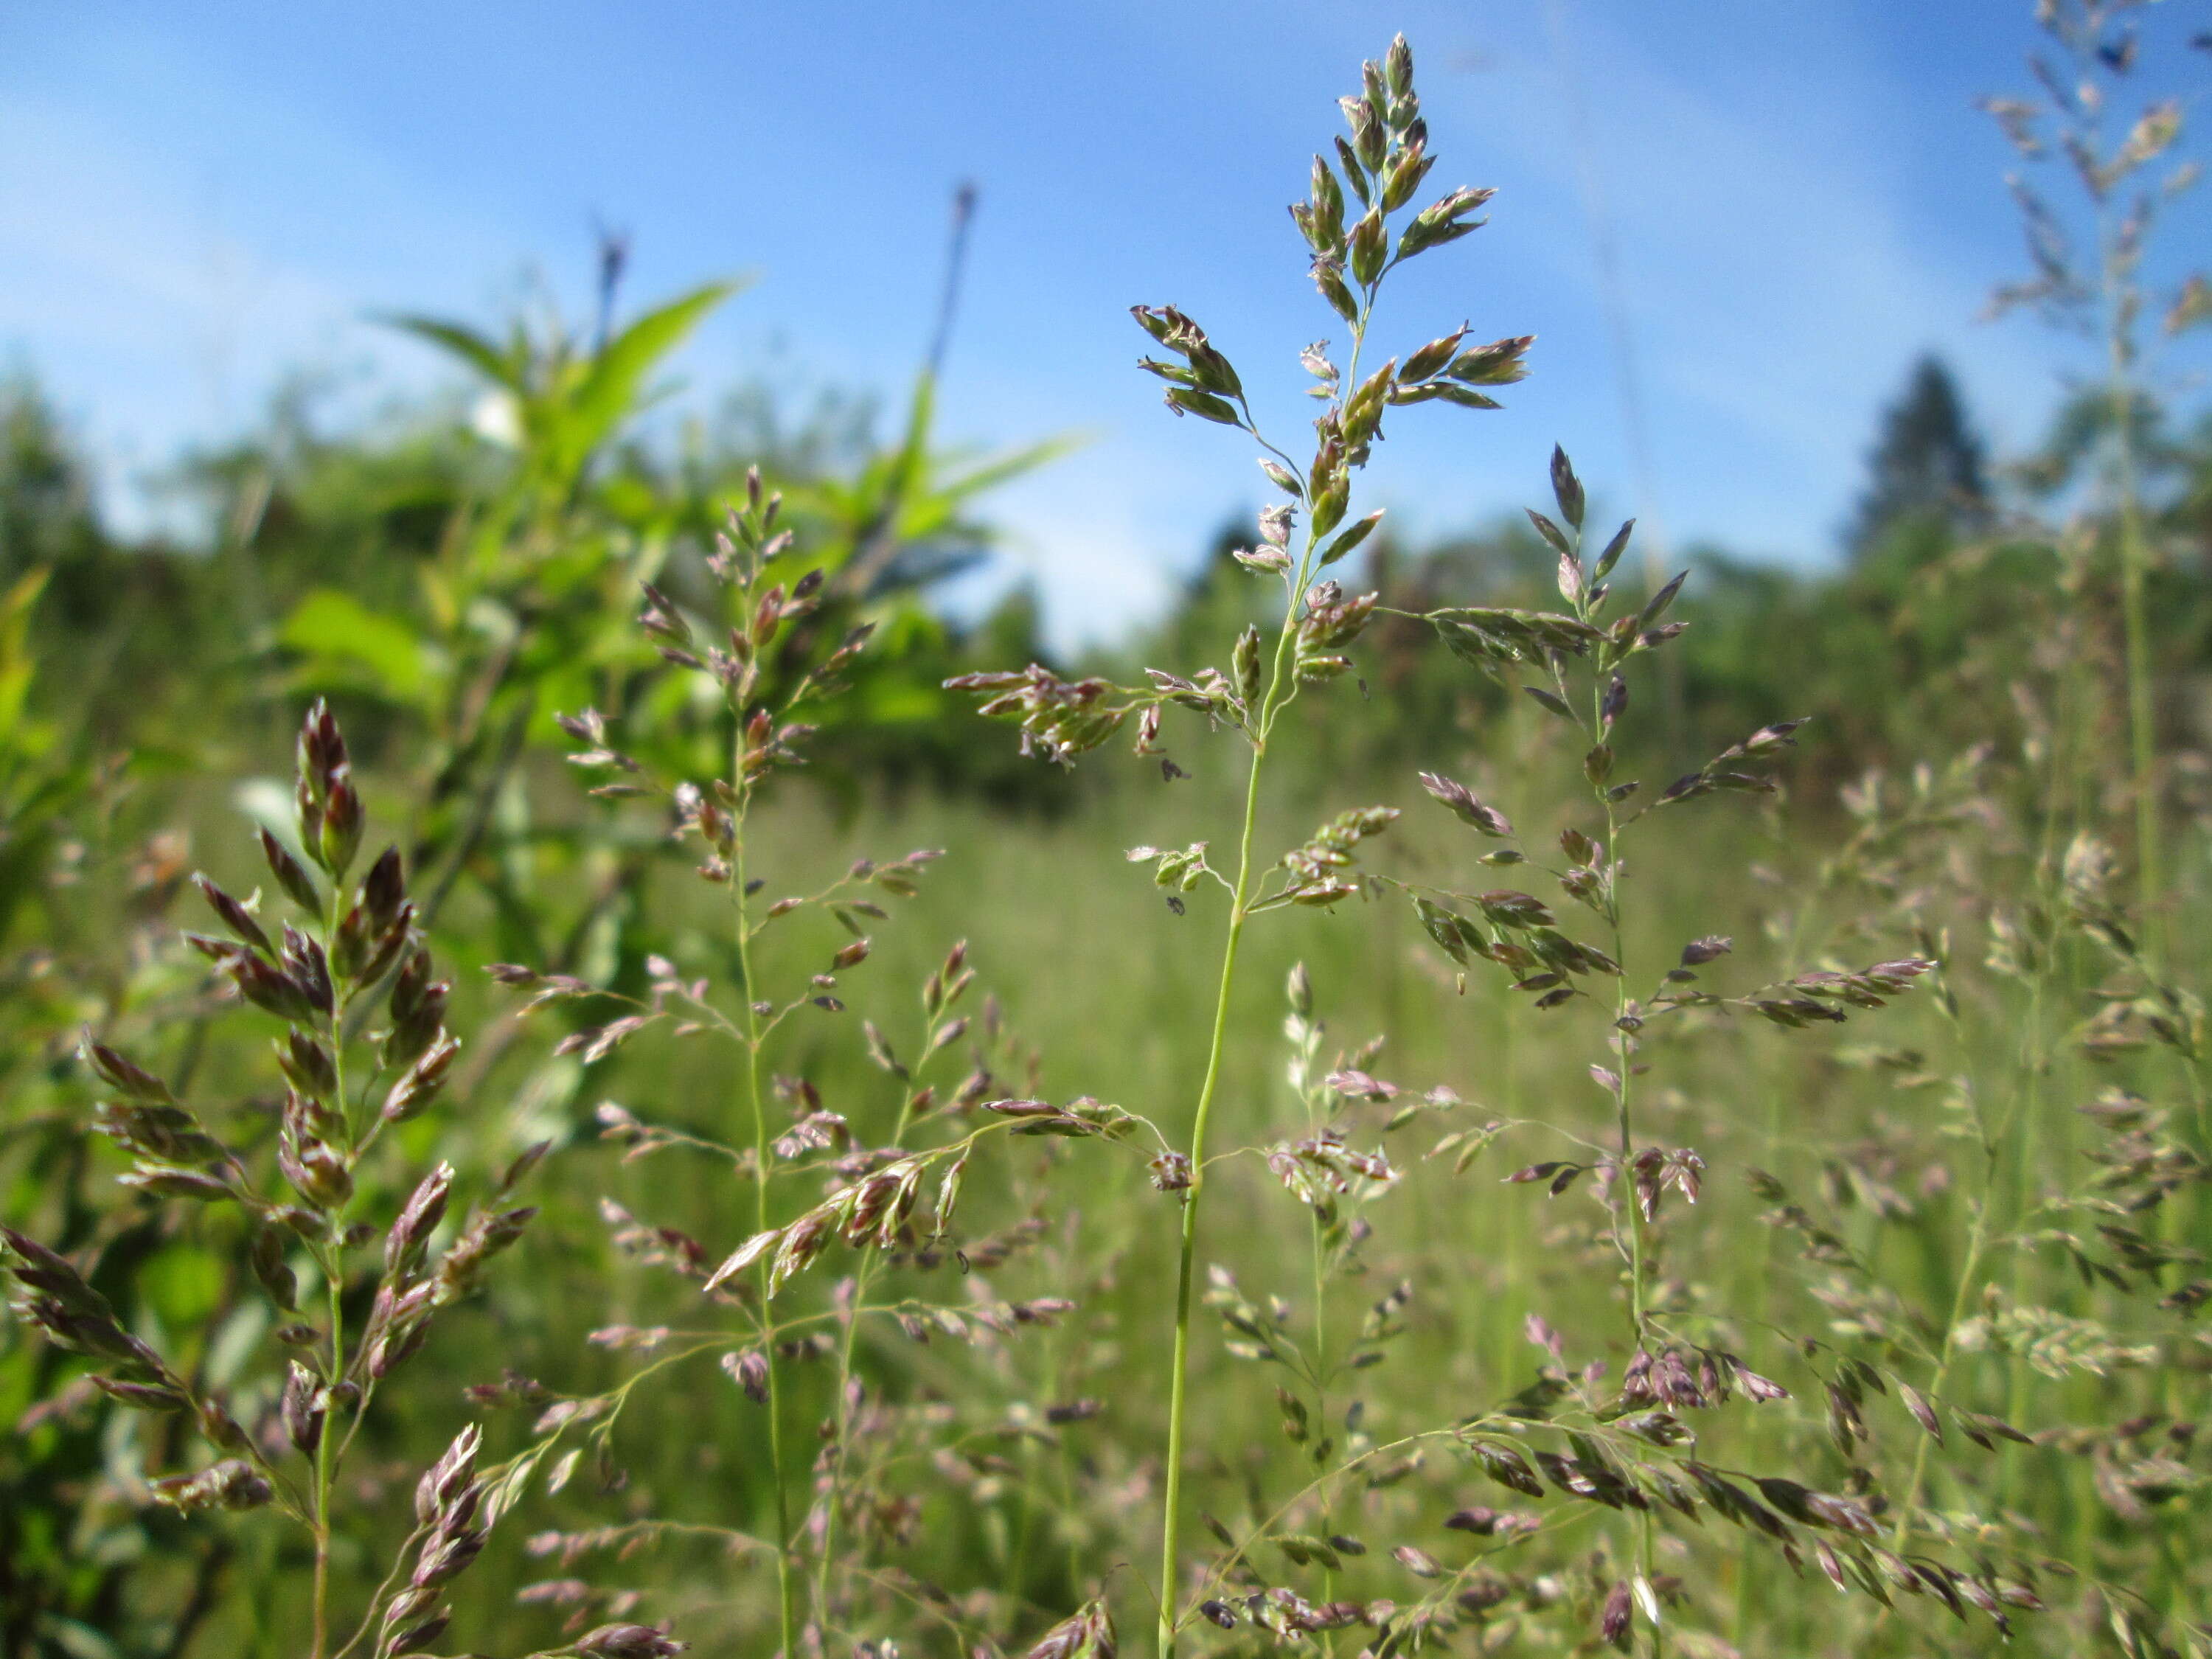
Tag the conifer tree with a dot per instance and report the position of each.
(1926, 465)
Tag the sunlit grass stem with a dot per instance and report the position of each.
(786, 1581)
(1281, 686)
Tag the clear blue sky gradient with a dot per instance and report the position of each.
(198, 198)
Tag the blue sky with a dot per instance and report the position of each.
(197, 198)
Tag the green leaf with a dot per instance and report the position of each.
(456, 339)
(996, 470)
(339, 629)
(608, 392)
(17, 665)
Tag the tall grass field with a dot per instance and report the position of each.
(585, 1073)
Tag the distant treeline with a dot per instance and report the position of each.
(328, 563)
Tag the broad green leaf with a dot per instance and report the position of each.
(16, 664)
(333, 625)
(609, 391)
(503, 367)
(1004, 468)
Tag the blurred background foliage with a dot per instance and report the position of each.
(457, 571)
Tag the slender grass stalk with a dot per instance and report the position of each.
(839, 1412)
(1623, 1048)
(1384, 161)
(1320, 1380)
(1053, 1369)
(787, 1586)
(1282, 687)
(2026, 1124)
(1969, 1275)
(2134, 557)
(1750, 1560)
(1178, 1390)
(1318, 1363)
(323, 1477)
(1993, 1140)
(333, 1287)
